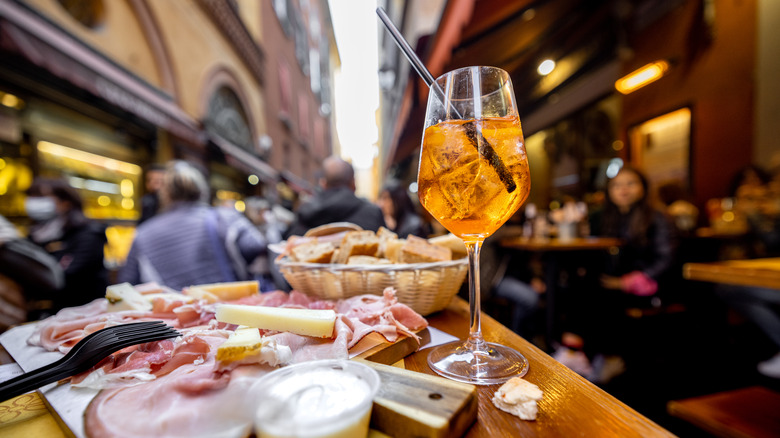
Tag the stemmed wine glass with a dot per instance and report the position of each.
(473, 176)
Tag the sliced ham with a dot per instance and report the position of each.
(168, 407)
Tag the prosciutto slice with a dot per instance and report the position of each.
(181, 404)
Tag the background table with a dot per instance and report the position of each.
(754, 272)
(548, 248)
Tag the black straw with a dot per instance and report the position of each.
(404, 46)
(472, 133)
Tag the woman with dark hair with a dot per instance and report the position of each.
(60, 227)
(400, 213)
(629, 277)
(648, 241)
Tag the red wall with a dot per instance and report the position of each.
(713, 76)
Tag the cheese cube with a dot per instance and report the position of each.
(123, 296)
(308, 322)
(245, 345)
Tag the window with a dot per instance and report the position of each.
(285, 94)
(226, 117)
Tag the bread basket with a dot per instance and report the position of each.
(425, 287)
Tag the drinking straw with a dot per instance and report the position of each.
(473, 133)
(404, 46)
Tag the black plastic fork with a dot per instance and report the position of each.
(87, 353)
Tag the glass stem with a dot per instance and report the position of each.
(475, 341)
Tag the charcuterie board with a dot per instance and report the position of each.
(68, 404)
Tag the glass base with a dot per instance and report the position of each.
(488, 365)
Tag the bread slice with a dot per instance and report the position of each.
(451, 241)
(358, 243)
(313, 252)
(385, 236)
(393, 249)
(419, 250)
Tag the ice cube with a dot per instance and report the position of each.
(470, 187)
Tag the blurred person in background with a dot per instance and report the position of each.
(629, 277)
(400, 213)
(337, 202)
(189, 242)
(761, 206)
(259, 212)
(27, 275)
(60, 227)
(150, 201)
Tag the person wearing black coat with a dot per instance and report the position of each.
(76, 242)
(337, 202)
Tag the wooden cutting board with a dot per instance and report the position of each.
(411, 404)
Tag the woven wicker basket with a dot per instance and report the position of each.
(425, 287)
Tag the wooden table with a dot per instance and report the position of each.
(551, 263)
(754, 272)
(571, 405)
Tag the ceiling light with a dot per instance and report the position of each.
(546, 67)
(641, 77)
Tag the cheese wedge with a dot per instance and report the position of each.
(200, 294)
(245, 346)
(123, 296)
(230, 291)
(307, 322)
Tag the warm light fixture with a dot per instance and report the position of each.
(86, 157)
(641, 77)
(546, 67)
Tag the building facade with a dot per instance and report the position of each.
(95, 90)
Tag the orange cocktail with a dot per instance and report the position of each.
(468, 190)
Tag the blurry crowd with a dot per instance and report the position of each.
(182, 239)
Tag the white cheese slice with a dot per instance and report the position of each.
(308, 322)
(123, 296)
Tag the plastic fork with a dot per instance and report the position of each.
(87, 353)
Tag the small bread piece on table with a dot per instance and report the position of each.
(419, 250)
(314, 252)
(358, 243)
(518, 397)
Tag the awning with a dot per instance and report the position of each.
(24, 31)
(239, 157)
(296, 183)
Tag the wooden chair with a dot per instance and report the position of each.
(748, 412)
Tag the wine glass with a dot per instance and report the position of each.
(473, 175)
